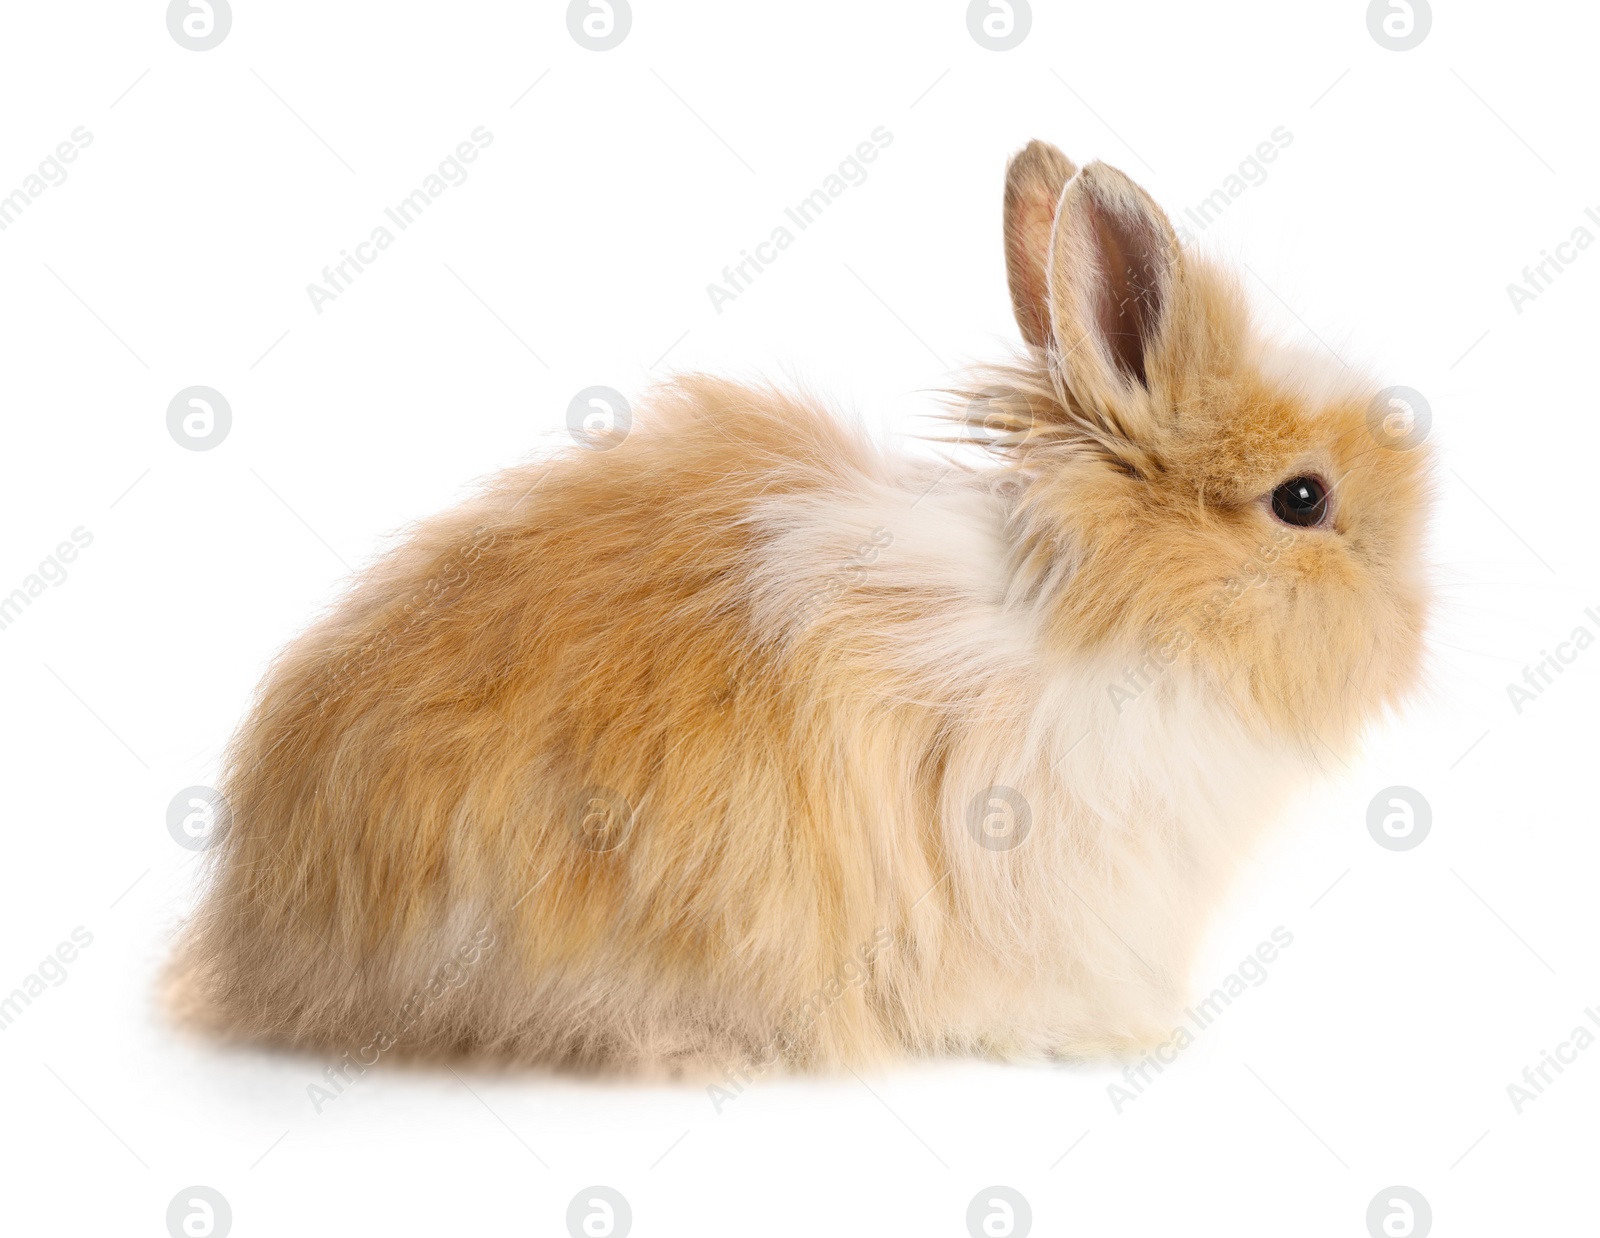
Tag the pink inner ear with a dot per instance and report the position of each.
(1129, 295)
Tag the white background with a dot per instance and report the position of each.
(219, 183)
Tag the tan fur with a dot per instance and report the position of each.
(783, 669)
(1034, 181)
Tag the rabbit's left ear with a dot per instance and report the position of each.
(1035, 178)
(1114, 265)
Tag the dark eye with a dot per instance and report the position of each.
(1302, 501)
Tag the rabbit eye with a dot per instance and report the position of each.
(1302, 501)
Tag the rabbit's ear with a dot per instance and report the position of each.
(1113, 266)
(1035, 178)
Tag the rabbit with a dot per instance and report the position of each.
(749, 742)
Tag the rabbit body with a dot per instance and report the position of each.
(747, 740)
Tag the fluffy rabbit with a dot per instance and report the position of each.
(747, 741)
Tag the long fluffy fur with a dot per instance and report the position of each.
(781, 671)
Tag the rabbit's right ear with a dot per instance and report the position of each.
(1114, 265)
(1035, 178)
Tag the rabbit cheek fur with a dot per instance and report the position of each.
(747, 741)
